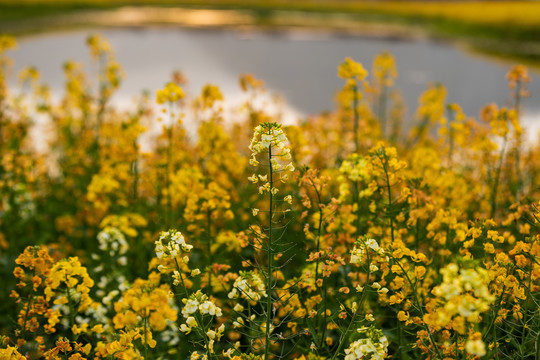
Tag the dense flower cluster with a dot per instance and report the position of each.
(170, 93)
(112, 240)
(269, 137)
(146, 305)
(350, 69)
(360, 252)
(248, 286)
(374, 346)
(174, 246)
(69, 279)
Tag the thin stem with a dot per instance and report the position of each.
(517, 153)
(419, 305)
(250, 330)
(325, 316)
(496, 181)
(517, 96)
(209, 249)
(400, 340)
(525, 305)
(356, 200)
(382, 108)
(167, 167)
(450, 135)
(535, 345)
(417, 229)
(71, 309)
(135, 172)
(495, 313)
(312, 330)
(28, 306)
(197, 318)
(356, 117)
(269, 269)
(324, 290)
(181, 277)
(353, 320)
(496, 346)
(319, 229)
(390, 215)
(145, 334)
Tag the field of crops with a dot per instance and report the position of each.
(345, 236)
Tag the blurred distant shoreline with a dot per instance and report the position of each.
(509, 29)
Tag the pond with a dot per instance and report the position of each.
(298, 65)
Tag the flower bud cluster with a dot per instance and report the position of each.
(356, 168)
(249, 286)
(364, 246)
(350, 69)
(201, 304)
(69, 273)
(145, 303)
(367, 252)
(500, 119)
(461, 299)
(170, 93)
(112, 241)
(174, 246)
(384, 70)
(374, 346)
(269, 137)
(465, 290)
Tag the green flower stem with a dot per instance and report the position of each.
(356, 200)
(495, 314)
(382, 107)
(325, 316)
(390, 215)
(167, 167)
(359, 307)
(181, 277)
(71, 309)
(356, 118)
(269, 269)
(198, 317)
(496, 180)
(319, 229)
(209, 249)
(28, 307)
(517, 154)
(145, 322)
(450, 135)
(419, 305)
(324, 290)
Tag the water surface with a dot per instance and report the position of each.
(299, 65)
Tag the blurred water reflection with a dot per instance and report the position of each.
(299, 65)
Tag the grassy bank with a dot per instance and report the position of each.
(516, 20)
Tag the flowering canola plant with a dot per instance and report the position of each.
(345, 236)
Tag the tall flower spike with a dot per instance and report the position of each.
(270, 140)
(269, 137)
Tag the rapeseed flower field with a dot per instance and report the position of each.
(340, 237)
